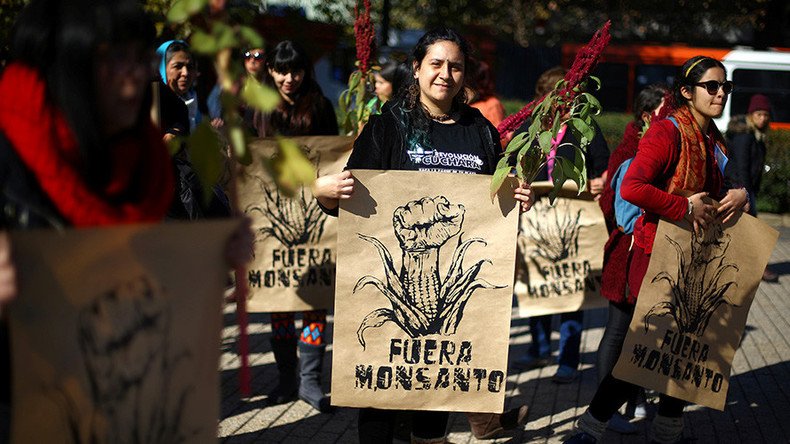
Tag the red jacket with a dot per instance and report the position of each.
(616, 251)
(648, 176)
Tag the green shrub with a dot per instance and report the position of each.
(512, 106)
(613, 126)
(774, 195)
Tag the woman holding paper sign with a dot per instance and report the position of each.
(683, 155)
(430, 121)
(77, 147)
(303, 111)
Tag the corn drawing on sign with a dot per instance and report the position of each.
(422, 302)
(698, 290)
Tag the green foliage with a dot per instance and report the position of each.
(774, 195)
(352, 104)
(181, 10)
(530, 149)
(612, 127)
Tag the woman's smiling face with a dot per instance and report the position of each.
(440, 74)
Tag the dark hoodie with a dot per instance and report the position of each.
(746, 157)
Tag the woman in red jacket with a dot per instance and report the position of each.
(676, 166)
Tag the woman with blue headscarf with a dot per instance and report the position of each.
(179, 105)
(179, 115)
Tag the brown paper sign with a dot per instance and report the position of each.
(692, 308)
(560, 253)
(424, 292)
(294, 265)
(115, 333)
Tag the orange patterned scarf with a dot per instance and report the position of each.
(691, 172)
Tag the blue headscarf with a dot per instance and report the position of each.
(161, 51)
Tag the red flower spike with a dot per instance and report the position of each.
(584, 63)
(365, 36)
(587, 57)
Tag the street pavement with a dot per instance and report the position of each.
(757, 410)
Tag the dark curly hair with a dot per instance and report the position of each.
(415, 117)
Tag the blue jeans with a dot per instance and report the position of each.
(570, 337)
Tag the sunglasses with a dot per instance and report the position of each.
(253, 55)
(712, 86)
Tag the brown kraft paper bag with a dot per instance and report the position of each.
(115, 333)
(560, 253)
(295, 242)
(692, 308)
(424, 292)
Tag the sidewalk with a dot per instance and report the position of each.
(758, 405)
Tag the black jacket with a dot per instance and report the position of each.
(22, 201)
(746, 155)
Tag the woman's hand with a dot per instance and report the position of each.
(217, 123)
(734, 200)
(331, 188)
(596, 186)
(7, 270)
(701, 213)
(524, 195)
(239, 249)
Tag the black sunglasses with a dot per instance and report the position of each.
(712, 86)
(253, 55)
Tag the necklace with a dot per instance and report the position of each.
(438, 117)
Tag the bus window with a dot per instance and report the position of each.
(774, 84)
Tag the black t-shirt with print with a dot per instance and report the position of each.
(457, 148)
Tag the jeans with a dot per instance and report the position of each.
(376, 426)
(570, 337)
(612, 393)
(620, 315)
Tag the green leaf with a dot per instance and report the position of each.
(251, 36)
(178, 12)
(259, 96)
(353, 80)
(544, 141)
(516, 142)
(291, 167)
(580, 166)
(500, 174)
(239, 143)
(181, 10)
(224, 35)
(204, 153)
(203, 43)
(595, 105)
(582, 128)
(596, 83)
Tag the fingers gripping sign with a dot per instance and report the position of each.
(330, 189)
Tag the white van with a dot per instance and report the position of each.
(758, 72)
